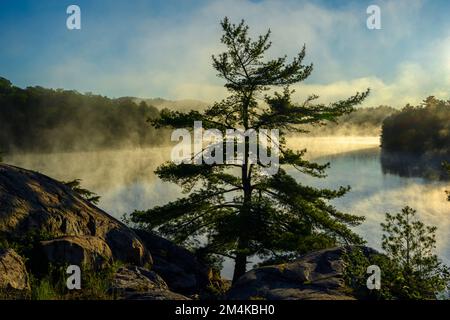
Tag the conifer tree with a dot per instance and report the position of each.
(235, 209)
(415, 270)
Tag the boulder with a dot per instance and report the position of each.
(135, 283)
(179, 267)
(32, 203)
(78, 250)
(13, 274)
(136, 279)
(315, 276)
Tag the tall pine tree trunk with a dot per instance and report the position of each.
(240, 266)
(240, 262)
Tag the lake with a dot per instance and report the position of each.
(125, 181)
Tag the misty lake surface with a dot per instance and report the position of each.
(125, 181)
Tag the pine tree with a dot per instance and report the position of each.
(415, 270)
(235, 209)
(90, 196)
(410, 269)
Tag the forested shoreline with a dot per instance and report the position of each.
(36, 119)
(416, 140)
(419, 129)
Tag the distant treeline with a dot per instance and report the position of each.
(419, 129)
(361, 122)
(36, 119)
(416, 140)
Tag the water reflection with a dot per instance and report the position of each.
(408, 165)
(374, 193)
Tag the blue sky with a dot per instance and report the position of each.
(163, 48)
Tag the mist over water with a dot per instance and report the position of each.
(125, 181)
(373, 194)
(355, 162)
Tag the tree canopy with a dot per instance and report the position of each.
(416, 271)
(36, 119)
(410, 268)
(419, 129)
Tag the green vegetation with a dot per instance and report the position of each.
(240, 211)
(90, 196)
(48, 282)
(409, 270)
(416, 140)
(419, 130)
(36, 119)
(410, 245)
(95, 285)
(25, 244)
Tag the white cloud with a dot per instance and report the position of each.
(412, 84)
(172, 59)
